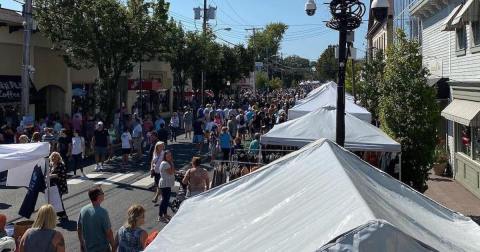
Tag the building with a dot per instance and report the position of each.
(403, 20)
(380, 33)
(451, 50)
(59, 88)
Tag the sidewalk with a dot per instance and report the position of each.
(453, 195)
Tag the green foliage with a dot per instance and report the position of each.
(275, 83)
(358, 65)
(261, 80)
(408, 110)
(267, 42)
(105, 34)
(368, 91)
(327, 65)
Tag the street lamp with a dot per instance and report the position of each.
(346, 16)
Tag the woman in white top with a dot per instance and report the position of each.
(167, 181)
(126, 139)
(78, 152)
(158, 156)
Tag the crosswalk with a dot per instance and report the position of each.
(106, 179)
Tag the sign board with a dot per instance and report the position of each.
(145, 85)
(27, 121)
(435, 66)
(10, 88)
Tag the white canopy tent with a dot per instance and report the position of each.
(359, 135)
(320, 89)
(326, 96)
(20, 159)
(306, 199)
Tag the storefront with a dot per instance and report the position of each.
(463, 135)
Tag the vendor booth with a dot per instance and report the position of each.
(359, 135)
(325, 97)
(320, 89)
(309, 199)
(20, 160)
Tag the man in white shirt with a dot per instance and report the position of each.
(137, 138)
(126, 138)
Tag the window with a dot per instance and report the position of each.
(464, 140)
(475, 33)
(476, 143)
(461, 40)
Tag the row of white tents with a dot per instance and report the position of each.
(319, 198)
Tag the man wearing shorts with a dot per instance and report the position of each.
(198, 134)
(100, 144)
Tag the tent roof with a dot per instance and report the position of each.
(321, 88)
(11, 155)
(305, 199)
(325, 97)
(376, 235)
(359, 135)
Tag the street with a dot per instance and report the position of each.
(122, 187)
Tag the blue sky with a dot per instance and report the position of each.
(307, 36)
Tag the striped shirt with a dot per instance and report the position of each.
(166, 180)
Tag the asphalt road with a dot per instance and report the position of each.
(122, 186)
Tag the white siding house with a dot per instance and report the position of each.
(451, 51)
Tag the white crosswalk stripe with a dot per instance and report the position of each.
(114, 179)
(77, 181)
(144, 182)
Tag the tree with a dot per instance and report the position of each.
(358, 65)
(327, 65)
(408, 110)
(275, 83)
(369, 87)
(261, 80)
(104, 34)
(266, 43)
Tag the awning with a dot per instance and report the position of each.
(463, 112)
(447, 24)
(462, 12)
(433, 81)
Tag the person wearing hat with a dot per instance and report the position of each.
(100, 143)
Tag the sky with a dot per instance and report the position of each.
(307, 36)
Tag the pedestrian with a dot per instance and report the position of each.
(167, 181)
(131, 237)
(100, 143)
(94, 229)
(196, 178)
(198, 134)
(232, 126)
(78, 152)
(126, 139)
(23, 139)
(137, 138)
(3, 222)
(163, 134)
(36, 137)
(42, 236)
(58, 177)
(187, 123)
(174, 126)
(241, 124)
(64, 146)
(112, 135)
(158, 156)
(254, 146)
(225, 141)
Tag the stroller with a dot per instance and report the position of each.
(182, 191)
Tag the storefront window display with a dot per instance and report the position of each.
(464, 140)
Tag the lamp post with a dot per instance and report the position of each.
(346, 16)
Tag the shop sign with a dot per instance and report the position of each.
(146, 85)
(10, 88)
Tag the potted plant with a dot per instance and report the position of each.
(441, 159)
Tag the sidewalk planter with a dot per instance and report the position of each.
(439, 168)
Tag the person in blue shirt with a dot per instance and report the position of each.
(255, 145)
(225, 143)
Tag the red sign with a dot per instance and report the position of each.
(145, 85)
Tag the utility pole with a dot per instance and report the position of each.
(254, 30)
(205, 52)
(27, 31)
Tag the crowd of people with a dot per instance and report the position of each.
(225, 125)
